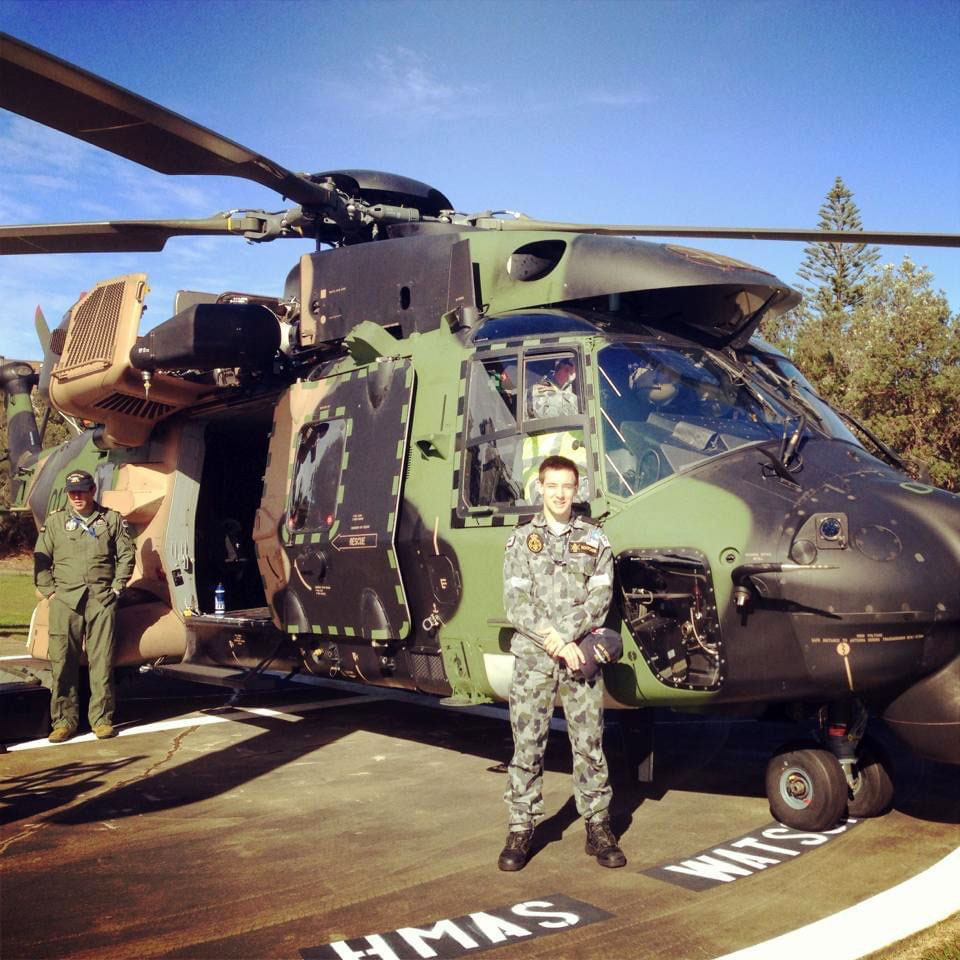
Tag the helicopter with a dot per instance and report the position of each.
(348, 460)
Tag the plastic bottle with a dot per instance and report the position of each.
(219, 601)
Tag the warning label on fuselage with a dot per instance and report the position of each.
(743, 856)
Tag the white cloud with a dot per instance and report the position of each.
(29, 146)
(406, 81)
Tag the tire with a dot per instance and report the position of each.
(806, 788)
(873, 791)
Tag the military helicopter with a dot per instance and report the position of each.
(348, 460)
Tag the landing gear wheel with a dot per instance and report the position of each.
(806, 788)
(872, 792)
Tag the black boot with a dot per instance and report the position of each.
(602, 844)
(517, 849)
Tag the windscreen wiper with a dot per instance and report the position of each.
(888, 454)
(789, 385)
(741, 378)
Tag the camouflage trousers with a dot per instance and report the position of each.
(537, 679)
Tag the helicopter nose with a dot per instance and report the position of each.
(926, 716)
(917, 533)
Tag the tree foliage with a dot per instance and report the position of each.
(899, 369)
(880, 344)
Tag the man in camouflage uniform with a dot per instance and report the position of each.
(557, 587)
(83, 559)
(553, 396)
(556, 396)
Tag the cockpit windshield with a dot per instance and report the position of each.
(786, 378)
(666, 408)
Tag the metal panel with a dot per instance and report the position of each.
(178, 538)
(349, 457)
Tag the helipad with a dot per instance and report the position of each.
(353, 826)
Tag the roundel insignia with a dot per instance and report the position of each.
(534, 543)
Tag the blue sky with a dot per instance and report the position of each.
(684, 112)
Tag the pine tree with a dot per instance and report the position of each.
(837, 271)
(881, 344)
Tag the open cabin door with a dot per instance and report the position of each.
(346, 454)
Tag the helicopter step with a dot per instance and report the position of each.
(238, 678)
(255, 616)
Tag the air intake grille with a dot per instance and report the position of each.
(134, 406)
(58, 339)
(427, 666)
(94, 328)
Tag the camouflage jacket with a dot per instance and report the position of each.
(562, 581)
(549, 400)
(71, 557)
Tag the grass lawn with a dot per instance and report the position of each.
(17, 600)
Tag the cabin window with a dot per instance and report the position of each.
(667, 408)
(316, 476)
(520, 411)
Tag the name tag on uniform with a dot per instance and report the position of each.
(584, 546)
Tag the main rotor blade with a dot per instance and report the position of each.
(116, 236)
(37, 85)
(43, 330)
(730, 233)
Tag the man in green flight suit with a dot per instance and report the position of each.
(557, 588)
(82, 561)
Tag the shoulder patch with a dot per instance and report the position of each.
(535, 542)
(511, 541)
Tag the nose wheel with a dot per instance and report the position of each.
(813, 785)
(870, 784)
(806, 787)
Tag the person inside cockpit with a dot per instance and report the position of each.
(555, 395)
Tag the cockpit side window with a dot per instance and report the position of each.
(520, 410)
(665, 408)
(493, 397)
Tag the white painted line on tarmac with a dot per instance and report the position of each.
(901, 911)
(234, 714)
(268, 712)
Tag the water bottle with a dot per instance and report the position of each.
(219, 601)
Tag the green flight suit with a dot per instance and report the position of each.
(81, 564)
